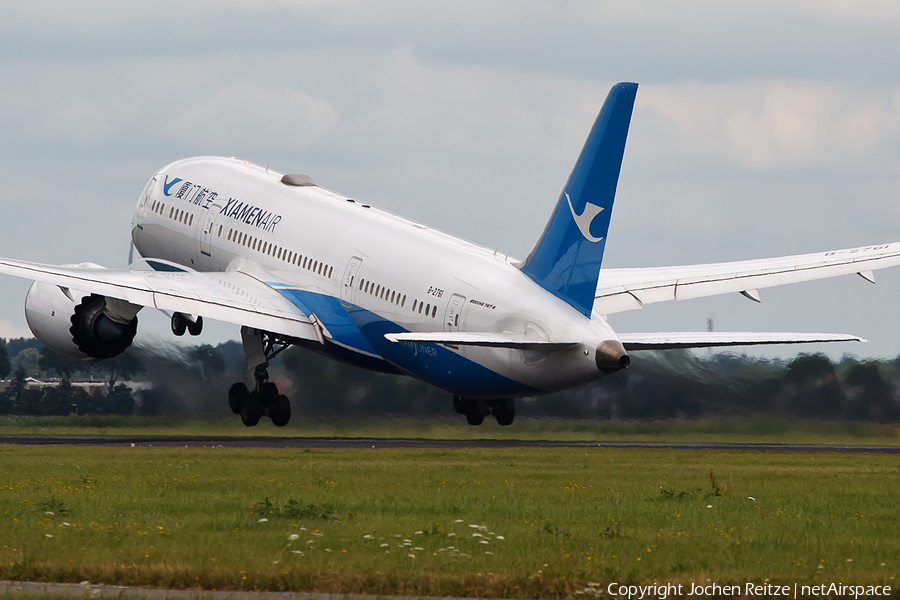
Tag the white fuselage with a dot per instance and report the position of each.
(364, 272)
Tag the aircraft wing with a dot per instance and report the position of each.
(231, 296)
(619, 290)
(704, 339)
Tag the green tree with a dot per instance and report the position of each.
(5, 367)
(873, 395)
(26, 359)
(122, 366)
(63, 366)
(813, 387)
(210, 359)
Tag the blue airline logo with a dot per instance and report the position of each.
(585, 219)
(168, 186)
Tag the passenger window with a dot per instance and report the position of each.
(420, 308)
(414, 305)
(220, 230)
(402, 304)
(362, 282)
(392, 297)
(330, 271)
(434, 312)
(427, 309)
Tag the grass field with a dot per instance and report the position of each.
(758, 429)
(513, 523)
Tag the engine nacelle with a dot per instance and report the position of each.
(77, 324)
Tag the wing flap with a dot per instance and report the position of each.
(487, 340)
(232, 296)
(627, 289)
(705, 339)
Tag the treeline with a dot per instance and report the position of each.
(167, 380)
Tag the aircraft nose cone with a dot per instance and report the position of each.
(611, 357)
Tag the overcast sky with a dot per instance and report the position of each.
(761, 128)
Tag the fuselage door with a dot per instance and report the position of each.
(454, 312)
(206, 231)
(349, 279)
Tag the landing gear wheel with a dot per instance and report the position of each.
(237, 396)
(476, 410)
(196, 327)
(251, 411)
(459, 405)
(269, 394)
(282, 413)
(179, 324)
(504, 410)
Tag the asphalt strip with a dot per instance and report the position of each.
(337, 442)
(89, 590)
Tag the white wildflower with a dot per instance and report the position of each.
(263, 520)
(500, 537)
(368, 537)
(293, 537)
(49, 512)
(48, 535)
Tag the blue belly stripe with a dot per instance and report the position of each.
(363, 331)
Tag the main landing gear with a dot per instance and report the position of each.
(476, 409)
(264, 400)
(182, 323)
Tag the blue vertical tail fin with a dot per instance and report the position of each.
(566, 259)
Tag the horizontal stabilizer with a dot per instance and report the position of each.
(705, 339)
(489, 340)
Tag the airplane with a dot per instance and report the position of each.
(295, 264)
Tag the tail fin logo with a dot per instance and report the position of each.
(585, 219)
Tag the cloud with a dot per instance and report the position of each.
(9, 331)
(243, 115)
(773, 124)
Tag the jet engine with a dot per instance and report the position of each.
(80, 325)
